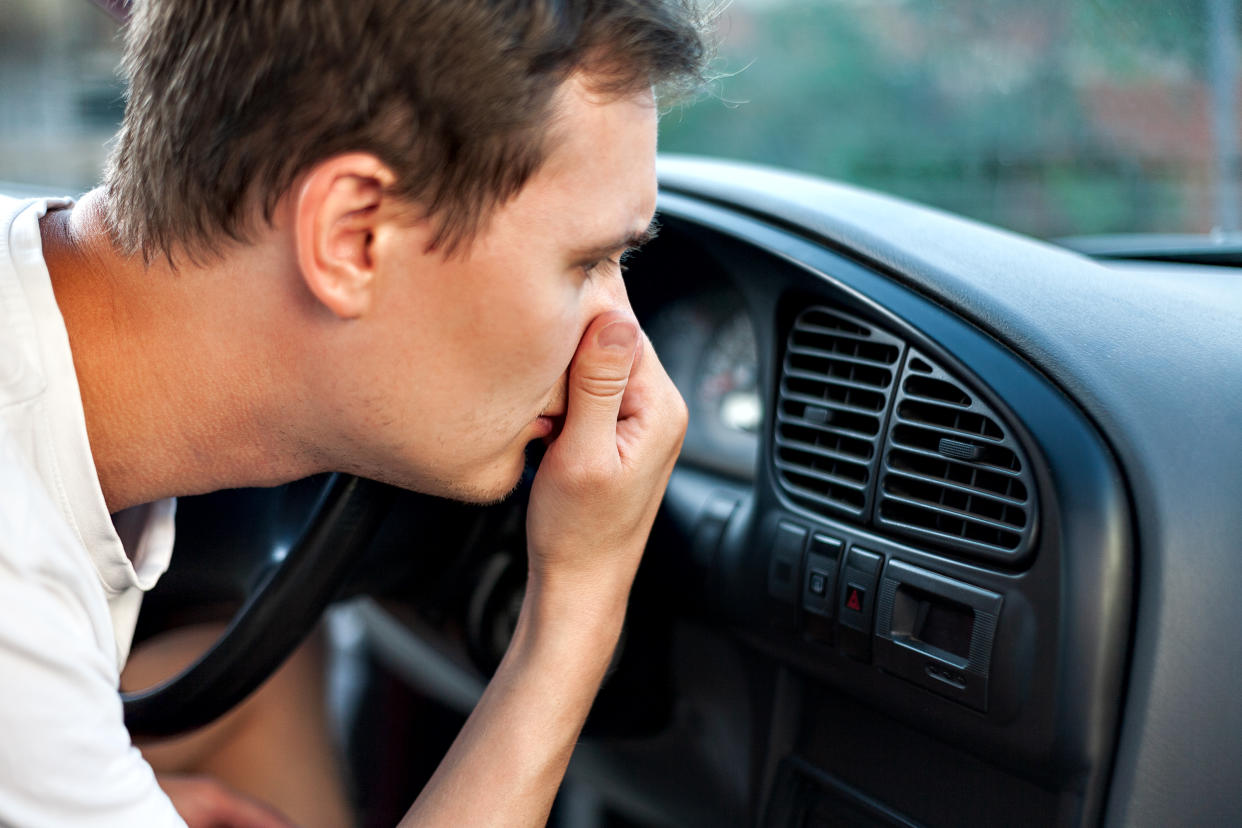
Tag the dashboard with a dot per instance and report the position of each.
(907, 542)
(1009, 603)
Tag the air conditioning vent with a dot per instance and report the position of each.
(835, 387)
(952, 473)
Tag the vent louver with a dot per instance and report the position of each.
(952, 473)
(835, 386)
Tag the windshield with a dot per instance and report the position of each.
(1049, 117)
(1053, 118)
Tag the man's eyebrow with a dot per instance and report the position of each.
(627, 244)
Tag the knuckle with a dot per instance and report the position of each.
(601, 386)
(679, 416)
(674, 412)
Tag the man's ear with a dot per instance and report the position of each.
(336, 215)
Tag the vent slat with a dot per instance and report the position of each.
(926, 452)
(964, 535)
(947, 430)
(919, 435)
(811, 376)
(994, 455)
(936, 391)
(823, 451)
(829, 403)
(959, 487)
(860, 334)
(969, 517)
(830, 369)
(870, 350)
(781, 417)
(824, 319)
(861, 449)
(824, 477)
(939, 431)
(961, 420)
(838, 497)
(803, 350)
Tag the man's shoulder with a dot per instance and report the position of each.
(66, 755)
(29, 517)
(15, 201)
(21, 262)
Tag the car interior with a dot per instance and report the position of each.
(955, 536)
(952, 540)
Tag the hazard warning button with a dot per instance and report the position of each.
(854, 597)
(857, 591)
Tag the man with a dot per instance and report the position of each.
(371, 236)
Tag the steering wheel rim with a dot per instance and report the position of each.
(276, 616)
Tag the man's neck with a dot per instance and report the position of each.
(183, 387)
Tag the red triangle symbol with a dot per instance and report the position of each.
(854, 601)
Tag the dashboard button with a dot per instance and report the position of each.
(820, 585)
(826, 546)
(857, 593)
(710, 529)
(785, 563)
(854, 597)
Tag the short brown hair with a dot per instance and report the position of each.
(229, 103)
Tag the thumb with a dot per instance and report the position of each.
(597, 380)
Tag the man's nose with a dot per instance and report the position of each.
(613, 294)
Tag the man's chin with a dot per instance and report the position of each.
(483, 487)
(490, 498)
(482, 490)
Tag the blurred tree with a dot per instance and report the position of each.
(990, 108)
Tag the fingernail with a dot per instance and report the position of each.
(620, 335)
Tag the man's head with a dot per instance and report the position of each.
(331, 153)
(229, 103)
(439, 368)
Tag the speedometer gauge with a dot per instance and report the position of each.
(707, 343)
(728, 386)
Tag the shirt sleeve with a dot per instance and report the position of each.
(66, 757)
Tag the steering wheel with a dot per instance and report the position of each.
(276, 615)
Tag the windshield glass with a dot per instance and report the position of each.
(1053, 118)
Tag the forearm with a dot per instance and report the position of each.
(507, 763)
(591, 509)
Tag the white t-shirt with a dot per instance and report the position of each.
(70, 588)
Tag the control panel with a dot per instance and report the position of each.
(862, 599)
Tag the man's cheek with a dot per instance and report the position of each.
(561, 395)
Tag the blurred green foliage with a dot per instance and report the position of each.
(1052, 117)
